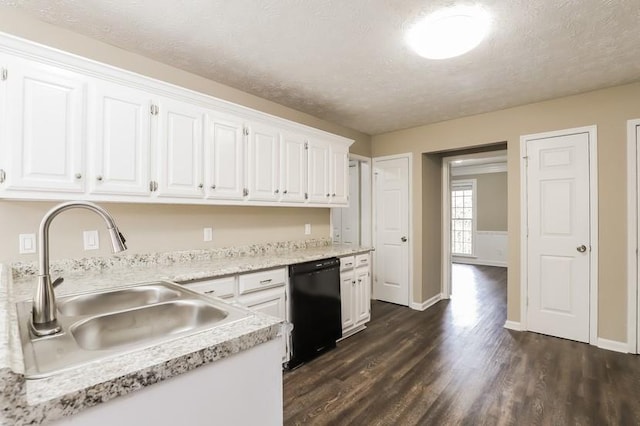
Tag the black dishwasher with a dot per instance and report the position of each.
(315, 308)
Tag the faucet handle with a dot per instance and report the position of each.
(57, 282)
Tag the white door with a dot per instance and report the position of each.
(224, 157)
(351, 215)
(318, 172)
(558, 245)
(293, 167)
(180, 143)
(339, 173)
(119, 140)
(347, 300)
(362, 295)
(45, 127)
(391, 186)
(263, 176)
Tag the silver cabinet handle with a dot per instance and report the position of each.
(581, 248)
(264, 282)
(201, 186)
(213, 187)
(99, 178)
(78, 175)
(276, 191)
(403, 239)
(285, 191)
(328, 195)
(333, 195)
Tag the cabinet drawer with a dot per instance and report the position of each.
(219, 287)
(260, 280)
(362, 260)
(347, 262)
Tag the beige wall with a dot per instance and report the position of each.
(430, 275)
(160, 227)
(491, 198)
(156, 228)
(609, 109)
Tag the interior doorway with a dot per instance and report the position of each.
(352, 224)
(474, 213)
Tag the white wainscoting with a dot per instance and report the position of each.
(491, 249)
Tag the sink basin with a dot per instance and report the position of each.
(100, 303)
(132, 326)
(104, 324)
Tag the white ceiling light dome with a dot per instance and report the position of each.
(449, 32)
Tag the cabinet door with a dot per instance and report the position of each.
(271, 302)
(293, 168)
(224, 157)
(318, 176)
(45, 122)
(180, 143)
(263, 165)
(119, 140)
(339, 174)
(347, 285)
(363, 304)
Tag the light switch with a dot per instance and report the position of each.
(208, 234)
(91, 240)
(307, 229)
(27, 243)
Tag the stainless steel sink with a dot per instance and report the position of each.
(149, 322)
(100, 303)
(104, 324)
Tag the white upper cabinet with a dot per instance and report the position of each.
(224, 156)
(293, 167)
(72, 128)
(318, 171)
(180, 146)
(45, 125)
(339, 175)
(119, 140)
(263, 163)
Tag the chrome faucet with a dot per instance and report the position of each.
(43, 318)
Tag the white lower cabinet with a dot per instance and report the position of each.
(262, 291)
(355, 293)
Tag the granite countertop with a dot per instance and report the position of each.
(42, 400)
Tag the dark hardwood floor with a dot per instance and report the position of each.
(455, 364)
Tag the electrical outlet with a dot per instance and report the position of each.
(91, 240)
(208, 234)
(307, 229)
(27, 243)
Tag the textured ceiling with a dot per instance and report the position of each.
(346, 61)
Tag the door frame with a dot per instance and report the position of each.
(593, 224)
(446, 213)
(633, 236)
(374, 218)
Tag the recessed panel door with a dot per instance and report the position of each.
(391, 186)
(224, 157)
(558, 245)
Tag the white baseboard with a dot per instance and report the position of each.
(477, 261)
(612, 345)
(513, 325)
(427, 303)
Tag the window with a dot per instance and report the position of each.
(463, 213)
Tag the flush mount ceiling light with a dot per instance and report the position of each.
(449, 32)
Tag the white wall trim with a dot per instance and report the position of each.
(409, 156)
(478, 261)
(592, 131)
(427, 303)
(513, 325)
(479, 169)
(493, 233)
(613, 345)
(633, 188)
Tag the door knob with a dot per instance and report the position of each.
(403, 239)
(581, 248)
